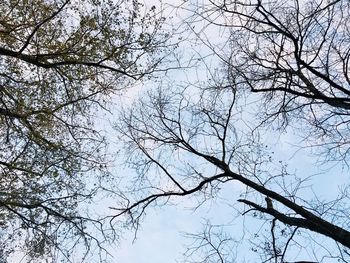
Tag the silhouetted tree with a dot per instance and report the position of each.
(283, 65)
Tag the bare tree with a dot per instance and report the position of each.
(293, 56)
(296, 55)
(211, 245)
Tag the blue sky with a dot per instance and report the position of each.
(161, 236)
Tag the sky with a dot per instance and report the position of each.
(162, 234)
(161, 237)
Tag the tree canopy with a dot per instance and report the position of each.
(61, 62)
(245, 74)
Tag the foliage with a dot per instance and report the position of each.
(61, 62)
(259, 69)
